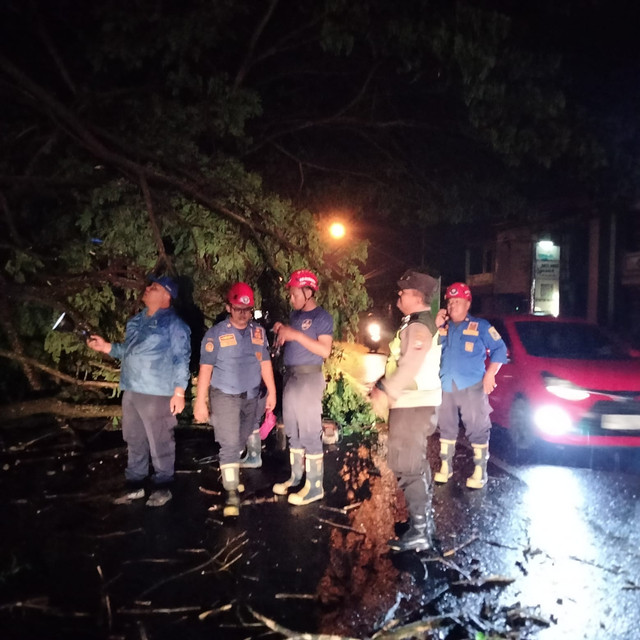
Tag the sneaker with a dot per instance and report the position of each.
(133, 494)
(159, 498)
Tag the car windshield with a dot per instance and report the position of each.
(571, 340)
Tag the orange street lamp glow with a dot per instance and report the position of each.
(337, 230)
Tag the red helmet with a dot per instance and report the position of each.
(303, 278)
(458, 290)
(241, 294)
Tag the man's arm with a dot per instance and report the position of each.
(200, 408)
(266, 371)
(180, 355)
(319, 347)
(498, 356)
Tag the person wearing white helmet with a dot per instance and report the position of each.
(234, 359)
(306, 342)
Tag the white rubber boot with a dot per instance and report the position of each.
(296, 456)
(252, 459)
(447, 449)
(479, 477)
(313, 489)
(231, 484)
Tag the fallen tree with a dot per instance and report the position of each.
(10, 413)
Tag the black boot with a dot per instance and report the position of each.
(416, 538)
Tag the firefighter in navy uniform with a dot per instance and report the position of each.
(234, 359)
(466, 382)
(410, 389)
(306, 341)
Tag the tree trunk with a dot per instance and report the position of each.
(20, 410)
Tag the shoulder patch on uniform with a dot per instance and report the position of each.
(257, 335)
(420, 336)
(208, 347)
(227, 340)
(493, 332)
(259, 356)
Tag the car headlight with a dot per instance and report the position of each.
(563, 388)
(552, 420)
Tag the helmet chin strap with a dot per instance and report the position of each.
(306, 300)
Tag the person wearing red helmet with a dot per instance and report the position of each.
(466, 381)
(234, 359)
(306, 342)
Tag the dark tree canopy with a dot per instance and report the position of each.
(211, 140)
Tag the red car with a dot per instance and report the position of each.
(566, 383)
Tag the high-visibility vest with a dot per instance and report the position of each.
(428, 376)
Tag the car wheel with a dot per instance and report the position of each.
(520, 427)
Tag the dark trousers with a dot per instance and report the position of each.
(470, 404)
(233, 418)
(302, 410)
(148, 429)
(409, 429)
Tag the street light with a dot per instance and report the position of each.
(337, 230)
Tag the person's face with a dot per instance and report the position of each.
(240, 315)
(298, 297)
(156, 296)
(409, 301)
(457, 309)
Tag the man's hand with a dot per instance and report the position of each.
(489, 382)
(284, 333)
(98, 343)
(176, 404)
(441, 318)
(271, 402)
(379, 402)
(201, 411)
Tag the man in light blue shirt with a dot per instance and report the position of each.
(466, 342)
(154, 375)
(234, 360)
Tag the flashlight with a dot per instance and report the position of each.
(67, 325)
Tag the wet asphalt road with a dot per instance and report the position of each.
(566, 525)
(564, 528)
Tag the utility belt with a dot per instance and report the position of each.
(304, 368)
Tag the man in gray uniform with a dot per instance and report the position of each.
(411, 390)
(234, 358)
(307, 342)
(154, 375)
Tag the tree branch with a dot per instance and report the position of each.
(54, 373)
(27, 364)
(13, 232)
(42, 100)
(162, 253)
(246, 63)
(44, 34)
(21, 410)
